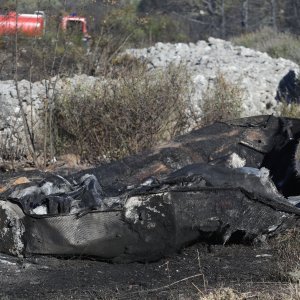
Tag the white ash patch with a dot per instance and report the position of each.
(272, 228)
(49, 188)
(5, 262)
(17, 194)
(40, 210)
(151, 225)
(264, 175)
(153, 209)
(265, 179)
(148, 182)
(235, 161)
(86, 177)
(131, 206)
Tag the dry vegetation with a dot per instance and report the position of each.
(276, 44)
(291, 110)
(222, 294)
(221, 101)
(287, 254)
(124, 115)
(133, 109)
(129, 111)
(280, 292)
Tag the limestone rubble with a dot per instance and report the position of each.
(257, 73)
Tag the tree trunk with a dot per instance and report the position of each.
(274, 14)
(245, 15)
(223, 24)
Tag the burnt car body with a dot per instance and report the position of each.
(233, 181)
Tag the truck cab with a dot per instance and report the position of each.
(33, 25)
(75, 25)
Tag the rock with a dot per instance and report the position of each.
(256, 72)
(33, 98)
(11, 229)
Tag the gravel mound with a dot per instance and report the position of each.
(256, 72)
(33, 97)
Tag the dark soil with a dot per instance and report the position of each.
(199, 267)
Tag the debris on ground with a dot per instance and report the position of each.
(230, 182)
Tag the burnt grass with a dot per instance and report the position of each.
(197, 269)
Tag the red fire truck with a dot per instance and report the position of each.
(33, 25)
(75, 24)
(25, 24)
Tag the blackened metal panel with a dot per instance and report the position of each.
(101, 234)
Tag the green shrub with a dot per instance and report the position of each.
(276, 44)
(123, 116)
(221, 101)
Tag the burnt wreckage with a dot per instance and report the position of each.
(234, 181)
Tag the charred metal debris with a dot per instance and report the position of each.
(235, 181)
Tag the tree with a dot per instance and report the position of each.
(274, 13)
(245, 15)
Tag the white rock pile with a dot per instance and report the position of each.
(257, 73)
(33, 97)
